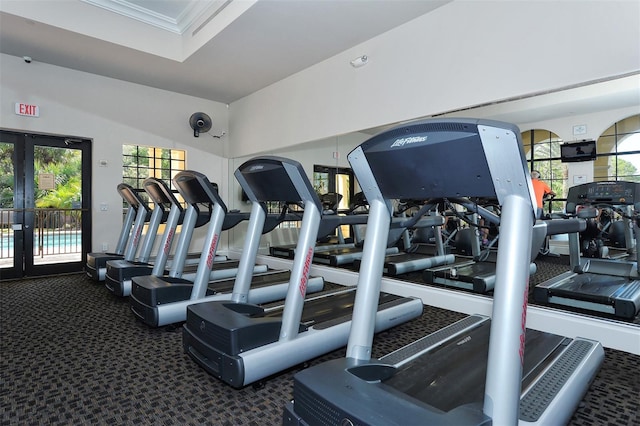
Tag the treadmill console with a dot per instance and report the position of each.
(196, 188)
(130, 196)
(272, 178)
(158, 191)
(615, 193)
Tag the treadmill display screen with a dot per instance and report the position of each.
(611, 192)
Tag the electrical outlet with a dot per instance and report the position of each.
(104, 207)
(105, 246)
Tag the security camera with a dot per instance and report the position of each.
(27, 59)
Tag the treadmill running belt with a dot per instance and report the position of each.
(591, 287)
(467, 273)
(333, 309)
(454, 374)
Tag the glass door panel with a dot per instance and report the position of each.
(10, 261)
(57, 192)
(45, 197)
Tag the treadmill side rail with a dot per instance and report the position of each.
(552, 398)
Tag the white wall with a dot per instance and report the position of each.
(462, 54)
(111, 113)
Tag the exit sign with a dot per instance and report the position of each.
(27, 110)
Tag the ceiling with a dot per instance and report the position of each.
(220, 50)
(223, 50)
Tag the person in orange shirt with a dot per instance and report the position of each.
(540, 188)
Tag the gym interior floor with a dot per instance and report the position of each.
(71, 353)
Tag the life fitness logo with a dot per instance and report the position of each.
(305, 272)
(167, 245)
(212, 251)
(523, 322)
(408, 141)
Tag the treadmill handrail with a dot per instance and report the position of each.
(486, 214)
(124, 236)
(565, 226)
(136, 232)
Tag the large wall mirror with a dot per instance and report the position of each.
(547, 121)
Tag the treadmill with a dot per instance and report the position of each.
(163, 300)
(477, 370)
(339, 256)
(618, 236)
(478, 273)
(330, 221)
(166, 210)
(138, 213)
(182, 272)
(242, 343)
(419, 255)
(599, 285)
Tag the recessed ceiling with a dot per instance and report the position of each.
(228, 50)
(171, 15)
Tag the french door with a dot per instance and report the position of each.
(45, 199)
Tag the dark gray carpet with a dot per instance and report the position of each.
(71, 353)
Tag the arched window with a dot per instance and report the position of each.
(619, 152)
(542, 149)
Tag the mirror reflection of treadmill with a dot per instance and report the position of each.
(477, 272)
(330, 228)
(474, 371)
(600, 285)
(345, 255)
(422, 241)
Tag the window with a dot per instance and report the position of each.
(542, 149)
(619, 152)
(141, 162)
